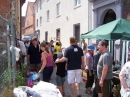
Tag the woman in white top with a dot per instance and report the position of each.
(89, 68)
(125, 80)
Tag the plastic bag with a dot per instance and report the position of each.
(20, 91)
(35, 76)
(32, 79)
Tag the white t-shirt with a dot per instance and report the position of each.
(22, 47)
(91, 61)
(126, 70)
(27, 44)
(17, 52)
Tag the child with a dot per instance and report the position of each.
(60, 73)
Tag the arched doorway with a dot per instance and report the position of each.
(110, 16)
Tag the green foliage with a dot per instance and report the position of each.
(20, 77)
(6, 77)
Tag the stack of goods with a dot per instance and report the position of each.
(42, 89)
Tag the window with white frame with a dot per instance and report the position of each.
(58, 9)
(27, 22)
(37, 22)
(37, 7)
(48, 15)
(40, 4)
(77, 2)
(40, 21)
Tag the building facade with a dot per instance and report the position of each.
(29, 27)
(104, 11)
(60, 19)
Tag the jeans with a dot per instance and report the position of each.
(47, 72)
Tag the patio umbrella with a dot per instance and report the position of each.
(118, 29)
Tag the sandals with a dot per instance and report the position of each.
(78, 95)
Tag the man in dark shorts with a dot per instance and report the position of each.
(34, 55)
(104, 70)
(75, 60)
(95, 62)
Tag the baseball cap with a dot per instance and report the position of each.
(59, 55)
(91, 47)
(34, 38)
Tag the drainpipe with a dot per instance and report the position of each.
(89, 18)
(20, 20)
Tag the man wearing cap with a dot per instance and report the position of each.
(75, 61)
(34, 55)
(89, 68)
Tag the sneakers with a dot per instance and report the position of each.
(63, 94)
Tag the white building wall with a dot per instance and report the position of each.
(70, 15)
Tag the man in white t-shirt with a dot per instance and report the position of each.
(23, 50)
(27, 44)
(17, 55)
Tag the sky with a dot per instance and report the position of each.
(24, 7)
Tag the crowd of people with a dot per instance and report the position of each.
(70, 62)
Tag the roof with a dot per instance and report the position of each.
(23, 1)
(31, 4)
(35, 1)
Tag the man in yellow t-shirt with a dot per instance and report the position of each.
(57, 49)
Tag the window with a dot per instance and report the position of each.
(27, 22)
(58, 9)
(40, 4)
(46, 36)
(77, 2)
(37, 7)
(48, 15)
(77, 31)
(37, 22)
(40, 21)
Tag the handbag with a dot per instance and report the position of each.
(84, 76)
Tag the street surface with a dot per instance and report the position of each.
(67, 88)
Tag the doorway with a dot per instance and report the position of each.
(110, 16)
(77, 31)
(46, 36)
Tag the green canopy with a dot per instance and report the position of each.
(118, 29)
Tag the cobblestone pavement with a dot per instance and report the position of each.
(67, 88)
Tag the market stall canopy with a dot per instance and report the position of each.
(118, 29)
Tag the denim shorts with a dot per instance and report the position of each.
(60, 80)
